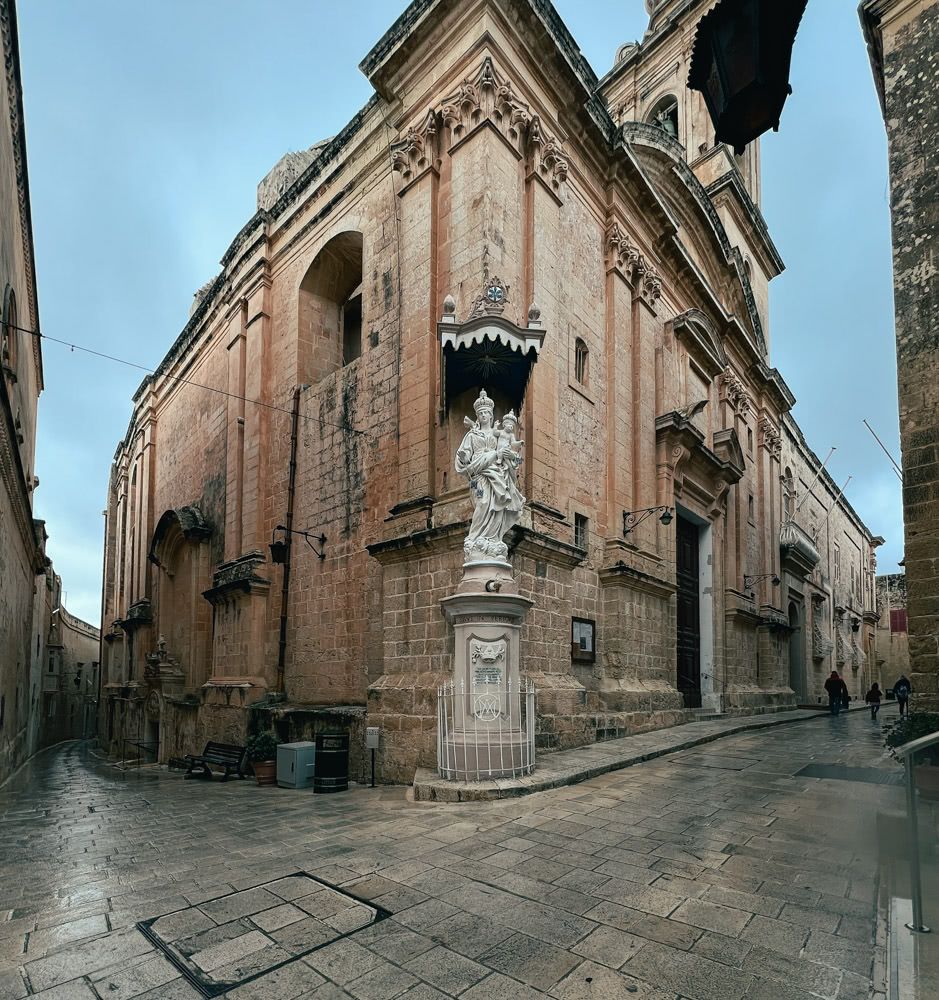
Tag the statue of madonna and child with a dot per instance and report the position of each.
(489, 457)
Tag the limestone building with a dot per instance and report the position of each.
(22, 539)
(893, 648)
(68, 710)
(829, 565)
(903, 39)
(495, 217)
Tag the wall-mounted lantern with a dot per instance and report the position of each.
(279, 546)
(740, 63)
(631, 518)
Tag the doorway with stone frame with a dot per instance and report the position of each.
(797, 649)
(688, 610)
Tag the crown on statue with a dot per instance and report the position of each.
(510, 416)
(483, 403)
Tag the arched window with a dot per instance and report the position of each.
(789, 494)
(581, 361)
(10, 334)
(664, 115)
(330, 330)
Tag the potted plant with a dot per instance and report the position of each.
(262, 752)
(926, 769)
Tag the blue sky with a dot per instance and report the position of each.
(150, 124)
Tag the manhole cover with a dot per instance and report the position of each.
(231, 940)
(840, 772)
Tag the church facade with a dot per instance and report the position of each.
(496, 217)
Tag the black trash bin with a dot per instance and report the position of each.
(331, 769)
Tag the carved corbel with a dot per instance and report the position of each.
(621, 253)
(416, 149)
(734, 392)
(769, 438)
(650, 285)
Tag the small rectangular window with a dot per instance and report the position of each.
(750, 440)
(898, 620)
(751, 508)
(580, 531)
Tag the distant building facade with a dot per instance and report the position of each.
(831, 606)
(893, 647)
(903, 39)
(69, 706)
(495, 217)
(22, 539)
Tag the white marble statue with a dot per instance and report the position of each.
(489, 458)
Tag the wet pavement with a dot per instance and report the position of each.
(715, 873)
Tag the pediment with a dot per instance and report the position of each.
(701, 339)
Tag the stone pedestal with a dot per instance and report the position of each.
(483, 733)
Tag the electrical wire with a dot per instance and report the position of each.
(179, 378)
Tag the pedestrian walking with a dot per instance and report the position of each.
(873, 699)
(902, 689)
(837, 689)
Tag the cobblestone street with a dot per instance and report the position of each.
(716, 873)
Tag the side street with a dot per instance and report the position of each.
(715, 873)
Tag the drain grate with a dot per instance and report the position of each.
(236, 938)
(841, 772)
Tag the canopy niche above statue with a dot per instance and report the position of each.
(488, 349)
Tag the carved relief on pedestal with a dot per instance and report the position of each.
(484, 97)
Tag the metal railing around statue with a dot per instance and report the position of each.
(485, 731)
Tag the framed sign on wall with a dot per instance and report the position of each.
(583, 640)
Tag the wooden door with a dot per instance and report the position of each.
(689, 613)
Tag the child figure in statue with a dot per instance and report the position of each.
(508, 444)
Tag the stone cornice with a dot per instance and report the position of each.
(11, 62)
(651, 136)
(403, 548)
(538, 545)
(732, 182)
(621, 575)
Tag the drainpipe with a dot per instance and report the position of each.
(288, 538)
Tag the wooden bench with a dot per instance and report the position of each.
(227, 756)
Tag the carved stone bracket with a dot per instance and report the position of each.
(735, 392)
(769, 438)
(623, 255)
(484, 97)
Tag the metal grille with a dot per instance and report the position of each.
(485, 730)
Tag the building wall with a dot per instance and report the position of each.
(893, 648)
(903, 36)
(476, 165)
(21, 555)
(69, 671)
(834, 607)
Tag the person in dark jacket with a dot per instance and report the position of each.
(873, 699)
(902, 689)
(837, 689)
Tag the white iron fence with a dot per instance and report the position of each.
(485, 731)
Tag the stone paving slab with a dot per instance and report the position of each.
(673, 880)
(567, 767)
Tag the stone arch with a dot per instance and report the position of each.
(180, 553)
(663, 113)
(700, 336)
(330, 308)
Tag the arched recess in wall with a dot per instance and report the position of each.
(10, 334)
(330, 309)
(180, 553)
(664, 115)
